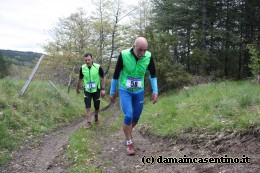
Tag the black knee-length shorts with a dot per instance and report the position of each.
(96, 99)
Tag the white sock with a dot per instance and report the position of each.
(129, 142)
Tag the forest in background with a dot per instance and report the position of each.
(19, 57)
(12, 60)
(191, 40)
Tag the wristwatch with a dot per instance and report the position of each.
(102, 88)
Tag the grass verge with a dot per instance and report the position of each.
(85, 146)
(40, 110)
(229, 105)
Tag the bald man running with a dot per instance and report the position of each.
(130, 71)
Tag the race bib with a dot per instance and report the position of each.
(91, 85)
(133, 82)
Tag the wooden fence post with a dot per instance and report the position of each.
(70, 79)
(31, 76)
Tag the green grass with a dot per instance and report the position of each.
(85, 145)
(212, 107)
(40, 110)
(231, 106)
(83, 150)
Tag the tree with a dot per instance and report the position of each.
(254, 64)
(3, 67)
(113, 33)
(71, 35)
(99, 34)
(101, 27)
(71, 38)
(219, 29)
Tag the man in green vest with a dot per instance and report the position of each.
(94, 81)
(130, 71)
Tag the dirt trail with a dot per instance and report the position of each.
(47, 156)
(114, 152)
(218, 145)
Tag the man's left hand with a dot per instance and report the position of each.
(103, 93)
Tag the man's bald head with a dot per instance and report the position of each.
(140, 47)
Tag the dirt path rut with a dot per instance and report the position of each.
(46, 156)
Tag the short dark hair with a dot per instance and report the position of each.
(87, 54)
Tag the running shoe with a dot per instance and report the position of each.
(130, 150)
(96, 119)
(88, 126)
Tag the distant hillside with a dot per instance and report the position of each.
(19, 57)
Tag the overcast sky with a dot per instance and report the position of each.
(24, 24)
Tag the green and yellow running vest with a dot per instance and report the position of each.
(91, 77)
(133, 72)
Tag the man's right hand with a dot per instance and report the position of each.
(112, 98)
(78, 86)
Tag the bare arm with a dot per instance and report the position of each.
(103, 91)
(78, 86)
